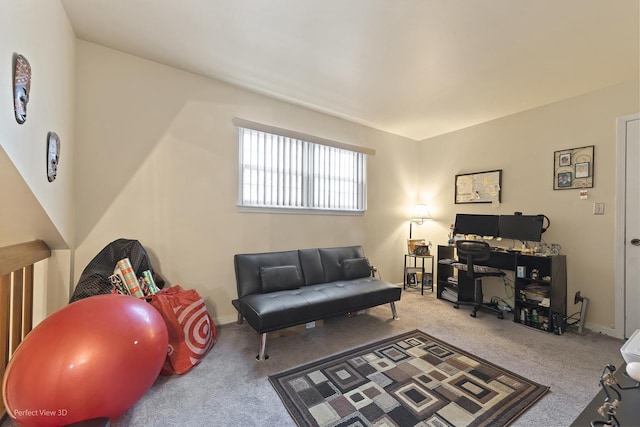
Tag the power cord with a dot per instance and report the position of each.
(501, 304)
(572, 320)
(509, 285)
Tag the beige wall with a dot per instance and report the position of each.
(523, 145)
(32, 207)
(41, 32)
(158, 163)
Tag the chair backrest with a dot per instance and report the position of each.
(473, 251)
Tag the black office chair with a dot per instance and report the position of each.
(470, 252)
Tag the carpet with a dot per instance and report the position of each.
(407, 380)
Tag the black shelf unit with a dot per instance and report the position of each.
(542, 277)
(446, 279)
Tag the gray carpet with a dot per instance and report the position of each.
(229, 388)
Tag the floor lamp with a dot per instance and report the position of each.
(422, 213)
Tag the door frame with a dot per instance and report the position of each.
(620, 249)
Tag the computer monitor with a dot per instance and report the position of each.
(480, 225)
(521, 227)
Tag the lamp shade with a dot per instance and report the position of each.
(422, 211)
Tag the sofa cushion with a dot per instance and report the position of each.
(247, 267)
(280, 278)
(276, 310)
(311, 264)
(355, 268)
(332, 260)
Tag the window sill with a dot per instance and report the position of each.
(300, 211)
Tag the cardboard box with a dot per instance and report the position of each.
(356, 313)
(296, 330)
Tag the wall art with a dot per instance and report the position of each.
(53, 155)
(478, 187)
(573, 168)
(21, 87)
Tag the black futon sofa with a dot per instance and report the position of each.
(277, 290)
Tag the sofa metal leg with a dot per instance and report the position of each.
(394, 313)
(261, 357)
(240, 319)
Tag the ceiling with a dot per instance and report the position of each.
(416, 68)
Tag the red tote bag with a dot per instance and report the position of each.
(192, 332)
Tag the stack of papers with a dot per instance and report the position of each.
(536, 292)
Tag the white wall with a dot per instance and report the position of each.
(158, 163)
(41, 32)
(158, 160)
(523, 146)
(170, 177)
(32, 207)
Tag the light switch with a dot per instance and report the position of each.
(598, 208)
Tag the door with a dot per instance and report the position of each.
(632, 227)
(630, 125)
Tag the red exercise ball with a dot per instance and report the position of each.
(93, 358)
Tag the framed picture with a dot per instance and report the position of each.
(422, 250)
(413, 243)
(573, 168)
(564, 179)
(565, 159)
(478, 187)
(582, 170)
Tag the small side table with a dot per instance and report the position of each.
(408, 269)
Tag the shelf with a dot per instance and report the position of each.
(531, 304)
(530, 280)
(417, 275)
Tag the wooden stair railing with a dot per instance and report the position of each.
(16, 297)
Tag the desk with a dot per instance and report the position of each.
(409, 270)
(547, 274)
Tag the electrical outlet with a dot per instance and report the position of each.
(598, 208)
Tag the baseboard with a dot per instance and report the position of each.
(226, 320)
(602, 330)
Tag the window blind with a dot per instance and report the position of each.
(282, 172)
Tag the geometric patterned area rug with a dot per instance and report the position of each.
(407, 380)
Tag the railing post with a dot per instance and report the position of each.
(16, 297)
(5, 311)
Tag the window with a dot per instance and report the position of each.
(285, 172)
